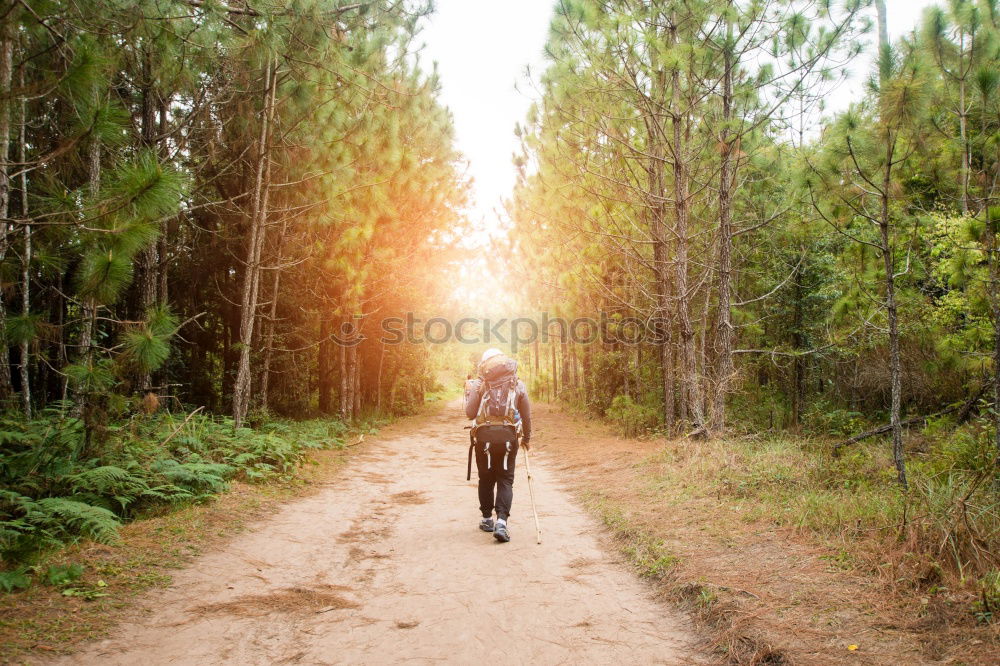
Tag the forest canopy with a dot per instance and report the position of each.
(806, 270)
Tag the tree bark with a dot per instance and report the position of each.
(25, 262)
(555, 374)
(351, 382)
(356, 390)
(265, 380)
(343, 379)
(993, 262)
(574, 371)
(88, 307)
(149, 258)
(798, 366)
(535, 347)
(564, 362)
(657, 209)
(6, 95)
(258, 231)
(325, 367)
(884, 224)
(691, 403)
(378, 380)
(895, 363)
(724, 325)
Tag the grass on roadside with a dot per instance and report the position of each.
(945, 530)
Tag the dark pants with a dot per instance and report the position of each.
(492, 475)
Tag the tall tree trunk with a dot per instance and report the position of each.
(378, 380)
(963, 123)
(25, 261)
(535, 346)
(574, 372)
(895, 362)
(163, 254)
(964, 138)
(356, 390)
(661, 271)
(271, 321)
(149, 260)
(555, 374)
(255, 244)
(798, 365)
(6, 96)
(564, 361)
(883, 26)
(325, 366)
(724, 325)
(993, 263)
(351, 382)
(88, 307)
(691, 394)
(344, 393)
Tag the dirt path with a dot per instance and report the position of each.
(386, 566)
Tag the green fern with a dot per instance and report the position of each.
(197, 478)
(77, 518)
(16, 579)
(62, 574)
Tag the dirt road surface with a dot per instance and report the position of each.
(386, 565)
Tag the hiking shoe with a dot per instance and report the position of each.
(486, 524)
(500, 533)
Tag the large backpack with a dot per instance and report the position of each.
(497, 404)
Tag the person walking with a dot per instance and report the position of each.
(498, 401)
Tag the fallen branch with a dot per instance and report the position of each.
(964, 410)
(178, 428)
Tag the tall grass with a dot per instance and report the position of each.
(947, 523)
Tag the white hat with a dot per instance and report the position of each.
(490, 353)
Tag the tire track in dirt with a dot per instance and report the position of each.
(386, 565)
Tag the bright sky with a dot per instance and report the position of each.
(482, 48)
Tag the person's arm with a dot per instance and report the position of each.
(524, 408)
(473, 394)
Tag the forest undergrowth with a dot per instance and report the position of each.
(787, 552)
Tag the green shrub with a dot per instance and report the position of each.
(822, 417)
(62, 574)
(631, 418)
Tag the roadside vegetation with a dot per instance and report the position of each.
(59, 488)
(801, 308)
(198, 201)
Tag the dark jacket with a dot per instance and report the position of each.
(474, 393)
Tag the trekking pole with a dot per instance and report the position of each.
(531, 494)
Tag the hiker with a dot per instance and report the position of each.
(498, 401)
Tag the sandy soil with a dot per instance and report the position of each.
(387, 565)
